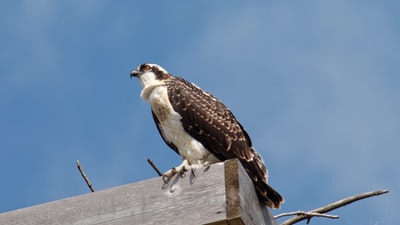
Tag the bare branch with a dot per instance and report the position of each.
(308, 215)
(154, 167)
(89, 184)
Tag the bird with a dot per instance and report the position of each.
(200, 128)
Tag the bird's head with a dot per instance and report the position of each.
(149, 74)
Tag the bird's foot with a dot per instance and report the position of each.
(182, 169)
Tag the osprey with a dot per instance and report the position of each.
(200, 128)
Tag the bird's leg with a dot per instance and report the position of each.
(181, 169)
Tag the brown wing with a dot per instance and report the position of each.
(210, 122)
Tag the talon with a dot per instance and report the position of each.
(193, 171)
(169, 174)
(194, 168)
(183, 171)
(165, 178)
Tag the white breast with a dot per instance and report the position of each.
(172, 129)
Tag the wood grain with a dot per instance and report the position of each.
(220, 194)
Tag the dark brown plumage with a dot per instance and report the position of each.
(210, 122)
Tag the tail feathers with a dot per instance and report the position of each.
(258, 172)
(269, 196)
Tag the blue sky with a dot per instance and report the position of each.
(315, 83)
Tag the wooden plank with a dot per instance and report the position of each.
(220, 194)
(243, 206)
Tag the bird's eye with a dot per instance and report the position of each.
(146, 67)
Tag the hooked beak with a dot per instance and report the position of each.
(134, 73)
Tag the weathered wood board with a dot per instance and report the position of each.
(220, 194)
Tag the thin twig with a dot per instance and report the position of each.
(154, 167)
(89, 184)
(308, 215)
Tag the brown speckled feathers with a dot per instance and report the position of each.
(211, 123)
